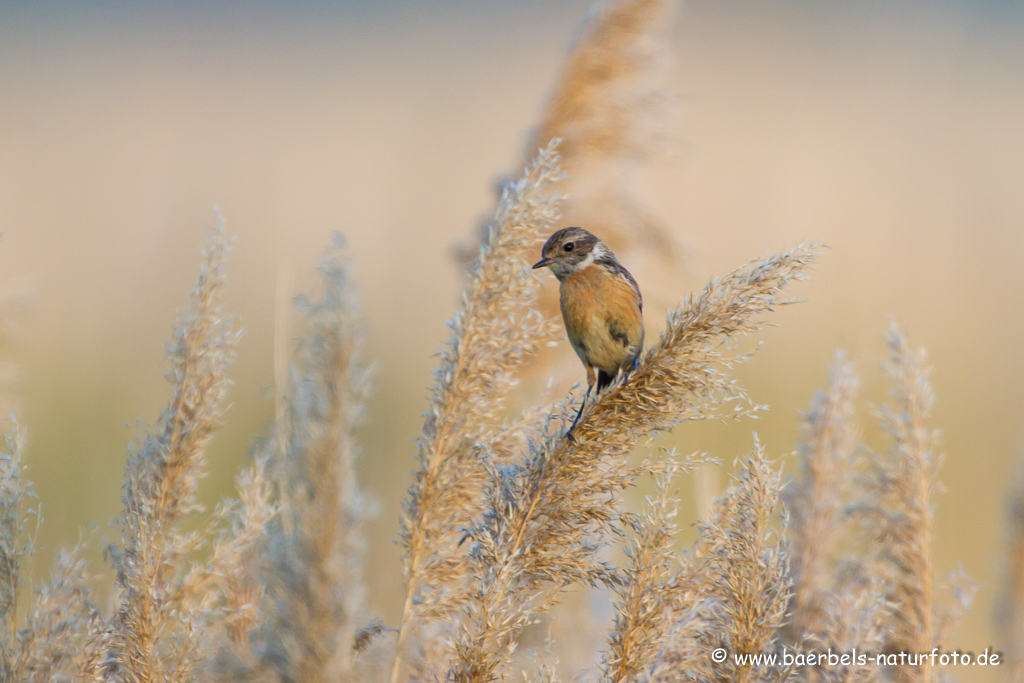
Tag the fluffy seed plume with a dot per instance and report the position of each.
(837, 604)
(15, 542)
(310, 582)
(905, 473)
(543, 517)
(647, 589)
(230, 579)
(16, 545)
(897, 512)
(64, 637)
(736, 586)
(826, 452)
(611, 109)
(495, 332)
(153, 641)
(606, 102)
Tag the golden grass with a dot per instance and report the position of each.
(155, 637)
(504, 513)
(544, 517)
(602, 104)
(816, 511)
(504, 516)
(492, 337)
(304, 580)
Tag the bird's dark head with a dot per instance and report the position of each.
(569, 251)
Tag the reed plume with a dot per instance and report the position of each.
(746, 567)
(897, 510)
(647, 589)
(905, 477)
(611, 109)
(733, 591)
(607, 102)
(15, 541)
(544, 516)
(65, 637)
(231, 577)
(310, 580)
(15, 544)
(155, 633)
(856, 617)
(817, 513)
(837, 604)
(493, 335)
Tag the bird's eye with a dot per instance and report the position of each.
(569, 246)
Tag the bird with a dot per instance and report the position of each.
(601, 307)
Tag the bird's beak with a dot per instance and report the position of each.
(543, 262)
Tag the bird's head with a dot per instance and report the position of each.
(569, 251)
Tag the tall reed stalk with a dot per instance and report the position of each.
(154, 631)
(492, 337)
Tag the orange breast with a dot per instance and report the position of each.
(602, 318)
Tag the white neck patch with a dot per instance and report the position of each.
(586, 262)
(598, 252)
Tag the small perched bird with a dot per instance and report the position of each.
(601, 306)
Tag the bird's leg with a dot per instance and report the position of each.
(578, 415)
(583, 404)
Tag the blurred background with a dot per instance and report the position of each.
(893, 132)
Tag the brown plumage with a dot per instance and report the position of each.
(601, 305)
(602, 318)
